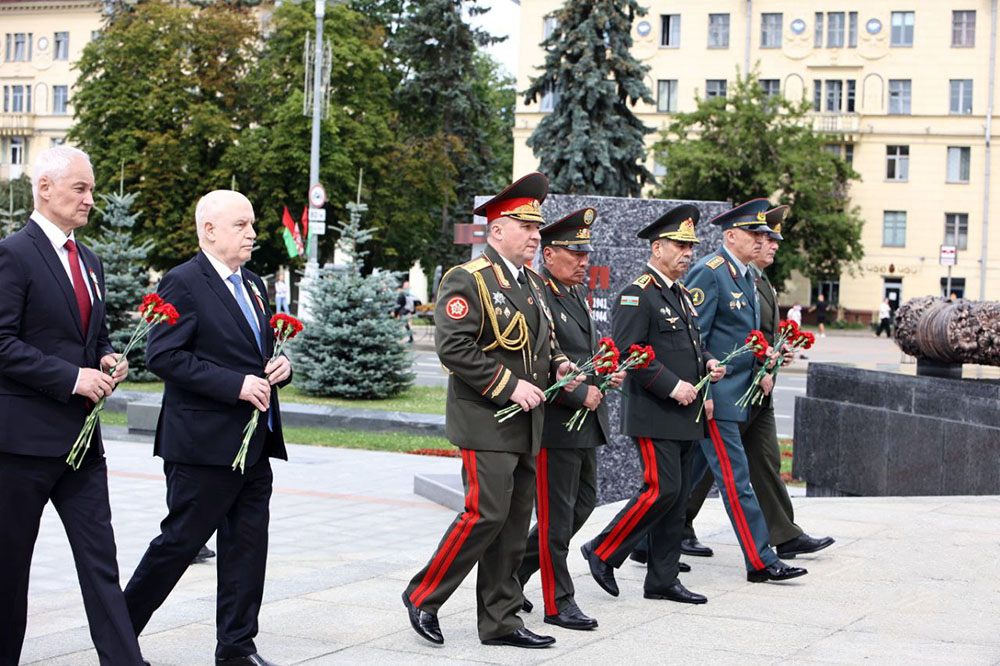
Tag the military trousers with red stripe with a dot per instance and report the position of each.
(722, 452)
(657, 510)
(490, 532)
(565, 497)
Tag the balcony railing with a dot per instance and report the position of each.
(836, 123)
(16, 124)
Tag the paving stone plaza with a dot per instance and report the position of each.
(909, 581)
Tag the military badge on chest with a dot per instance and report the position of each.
(739, 301)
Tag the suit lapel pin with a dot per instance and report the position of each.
(97, 287)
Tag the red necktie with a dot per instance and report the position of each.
(79, 286)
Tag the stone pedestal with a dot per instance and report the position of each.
(862, 432)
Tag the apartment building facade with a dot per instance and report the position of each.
(903, 90)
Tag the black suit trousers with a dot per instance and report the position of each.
(202, 499)
(80, 497)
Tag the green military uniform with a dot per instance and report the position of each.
(567, 463)
(492, 328)
(652, 311)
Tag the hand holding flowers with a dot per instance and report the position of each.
(755, 344)
(639, 357)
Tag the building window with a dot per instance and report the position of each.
(16, 99)
(959, 158)
(666, 95)
(899, 96)
(58, 141)
(817, 95)
(957, 287)
(834, 94)
(718, 31)
(963, 28)
(670, 30)
(897, 163)
(61, 42)
(849, 153)
(770, 31)
(715, 88)
(19, 46)
(835, 29)
(894, 228)
(961, 97)
(60, 99)
(771, 87)
(549, 98)
(830, 290)
(902, 29)
(852, 30)
(549, 25)
(818, 34)
(956, 230)
(851, 95)
(17, 150)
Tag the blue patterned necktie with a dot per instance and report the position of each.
(254, 325)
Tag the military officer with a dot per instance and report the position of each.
(566, 467)
(660, 410)
(493, 334)
(758, 432)
(725, 295)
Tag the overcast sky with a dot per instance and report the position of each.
(504, 18)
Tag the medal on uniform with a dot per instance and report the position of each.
(497, 298)
(497, 311)
(97, 288)
(256, 293)
(562, 315)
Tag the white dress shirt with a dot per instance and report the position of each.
(514, 270)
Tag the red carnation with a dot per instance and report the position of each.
(606, 343)
(166, 313)
(285, 326)
(647, 355)
(805, 340)
(149, 304)
(789, 328)
(759, 344)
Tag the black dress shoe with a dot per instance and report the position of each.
(676, 592)
(425, 624)
(521, 638)
(803, 544)
(599, 569)
(203, 555)
(695, 548)
(249, 660)
(683, 567)
(776, 571)
(527, 606)
(638, 556)
(571, 617)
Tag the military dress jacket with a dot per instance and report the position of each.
(576, 333)
(770, 316)
(648, 312)
(489, 332)
(727, 312)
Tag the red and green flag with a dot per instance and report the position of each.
(291, 236)
(305, 222)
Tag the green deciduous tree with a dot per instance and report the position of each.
(751, 145)
(351, 346)
(592, 142)
(164, 90)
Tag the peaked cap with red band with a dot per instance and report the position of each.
(521, 201)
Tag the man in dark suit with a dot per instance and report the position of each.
(566, 472)
(494, 335)
(216, 369)
(54, 358)
(660, 410)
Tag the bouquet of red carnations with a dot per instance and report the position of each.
(605, 349)
(285, 328)
(152, 311)
(755, 344)
(639, 357)
(788, 335)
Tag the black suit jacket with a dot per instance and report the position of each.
(577, 336)
(648, 312)
(43, 345)
(203, 359)
(769, 318)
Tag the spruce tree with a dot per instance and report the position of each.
(351, 346)
(126, 275)
(592, 142)
(15, 204)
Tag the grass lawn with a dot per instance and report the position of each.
(420, 399)
(786, 446)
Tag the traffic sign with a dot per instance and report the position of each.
(317, 228)
(317, 215)
(317, 196)
(949, 255)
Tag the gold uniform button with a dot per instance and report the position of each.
(534, 375)
(536, 357)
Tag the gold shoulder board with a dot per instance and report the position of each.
(643, 280)
(715, 262)
(477, 264)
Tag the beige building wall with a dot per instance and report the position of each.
(927, 131)
(24, 132)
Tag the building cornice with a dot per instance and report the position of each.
(32, 6)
